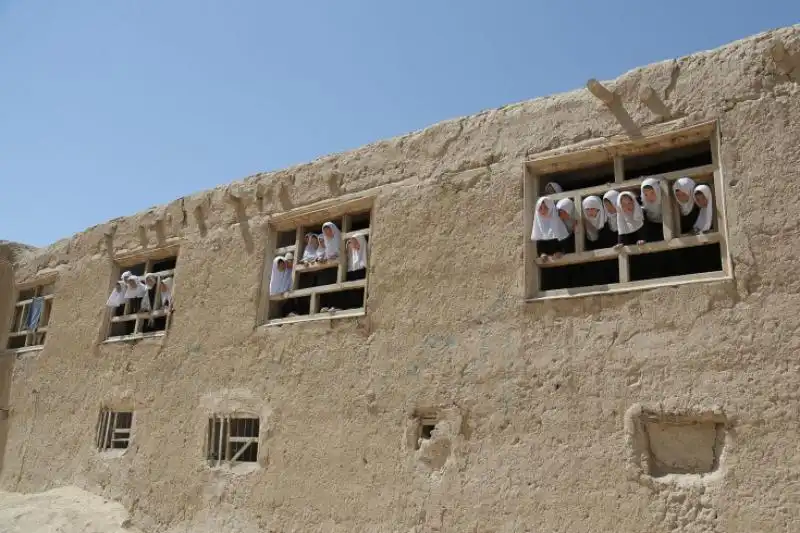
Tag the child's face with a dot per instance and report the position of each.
(563, 215)
(627, 204)
(543, 209)
(131, 283)
(150, 283)
(649, 195)
(328, 232)
(281, 266)
(592, 212)
(700, 199)
(353, 243)
(610, 207)
(682, 196)
(549, 189)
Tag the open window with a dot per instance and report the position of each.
(318, 282)
(674, 250)
(144, 298)
(31, 318)
(114, 430)
(232, 439)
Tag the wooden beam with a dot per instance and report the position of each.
(619, 169)
(322, 289)
(665, 176)
(600, 91)
(347, 313)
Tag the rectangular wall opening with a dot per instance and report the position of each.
(232, 439)
(114, 430)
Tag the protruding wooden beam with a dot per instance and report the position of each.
(600, 92)
(649, 97)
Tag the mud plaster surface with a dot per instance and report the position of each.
(539, 390)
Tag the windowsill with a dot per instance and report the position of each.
(236, 468)
(630, 286)
(114, 453)
(330, 263)
(27, 349)
(347, 313)
(135, 337)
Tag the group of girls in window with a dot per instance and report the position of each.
(150, 292)
(318, 250)
(618, 219)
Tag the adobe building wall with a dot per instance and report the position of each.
(542, 405)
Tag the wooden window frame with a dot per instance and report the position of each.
(140, 317)
(298, 220)
(108, 431)
(21, 309)
(221, 442)
(617, 152)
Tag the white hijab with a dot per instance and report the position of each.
(547, 228)
(652, 210)
(332, 245)
(117, 297)
(138, 291)
(706, 215)
(566, 204)
(357, 259)
(629, 222)
(553, 188)
(320, 253)
(611, 218)
(309, 252)
(166, 295)
(280, 282)
(594, 224)
(686, 185)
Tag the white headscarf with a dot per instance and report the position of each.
(594, 224)
(547, 228)
(629, 222)
(280, 282)
(566, 204)
(686, 185)
(652, 210)
(320, 253)
(166, 295)
(310, 252)
(138, 291)
(553, 188)
(357, 259)
(611, 218)
(706, 216)
(117, 297)
(332, 245)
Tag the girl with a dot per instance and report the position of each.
(135, 291)
(705, 201)
(651, 202)
(333, 240)
(553, 188)
(166, 294)
(683, 191)
(357, 258)
(117, 297)
(310, 249)
(610, 203)
(320, 255)
(594, 216)
(280, 280)
(549, 232)
(630, 220)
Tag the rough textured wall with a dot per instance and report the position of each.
(541, 402)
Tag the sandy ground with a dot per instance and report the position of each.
(62, 510)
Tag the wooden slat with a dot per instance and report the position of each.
(29, 300)
(650, 247)
(602, 189)
(617, 288)
(283, 250)
(322, 289)
(347, 313)
(243, 439)
(320, 211)
(350, 234)
(333, 263)
(143, 315)
(619, 169)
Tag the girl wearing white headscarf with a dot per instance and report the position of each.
(651, 205)
(333, 240)
(310, 249)
(357, 258)
(166, 293)
(610, 204)
(117, 297)
(553, 188)
(594, 222)
(280, 280)
(705, 201)
(136, 292)
(683, 191)
(630, 220)
(549, 232)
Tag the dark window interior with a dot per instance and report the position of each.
(578, 179)
(244, 427)
(693, 260)
(359, 221)
(427, 431)
(693, 155)
(119, 329)
(16, 342)
(286, 238)
(282, 308)
(583, 275)
(26, 294)
(165, 264)
(349, 299)
(136, 270)
(159, 324)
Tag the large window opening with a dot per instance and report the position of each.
(681, 242)
(31, 317)
(323, 272)
(232, 439)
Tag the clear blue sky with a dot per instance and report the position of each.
(176, 96)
